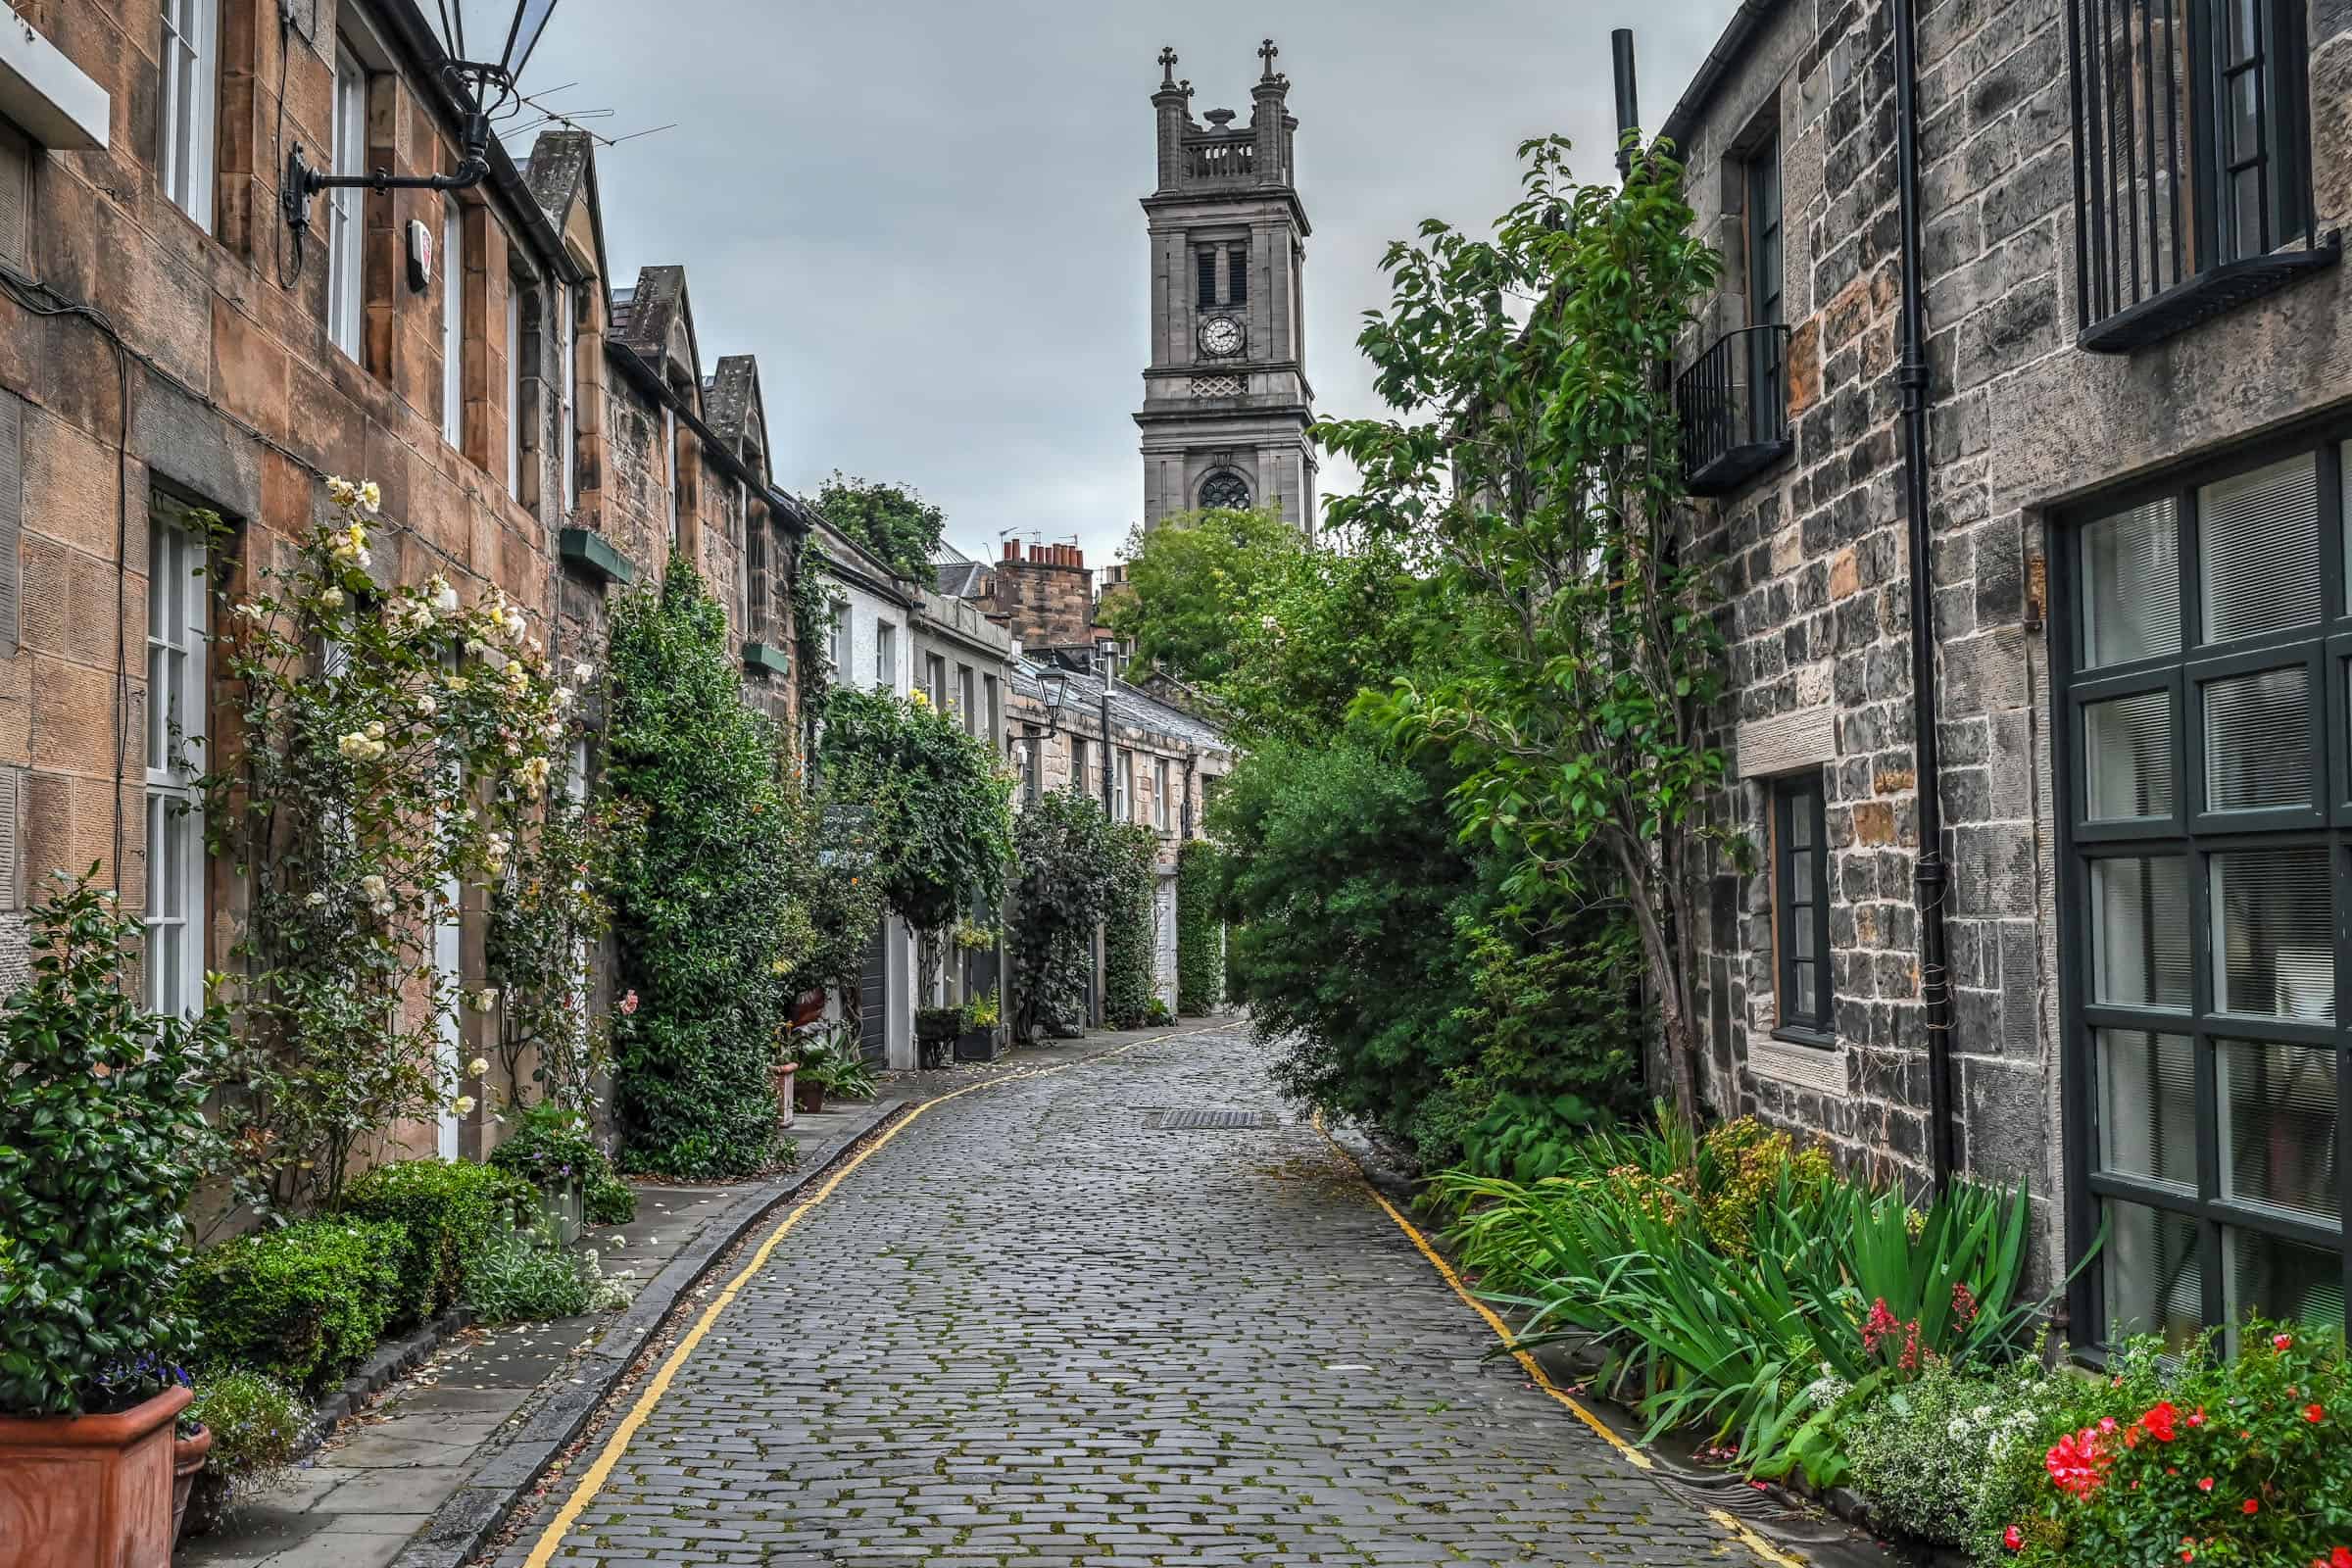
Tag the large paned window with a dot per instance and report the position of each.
(2208, 730)
(346, 224)
(1800, 908)
(189, 84)
(453, 325)
(176, 738)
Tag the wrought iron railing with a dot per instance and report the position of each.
(1734, 403)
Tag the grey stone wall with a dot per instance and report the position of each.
(1815, 559)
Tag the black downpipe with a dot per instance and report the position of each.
(1629, 107)
(1912, 378)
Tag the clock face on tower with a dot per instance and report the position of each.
(1221, 337)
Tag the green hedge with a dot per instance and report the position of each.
(1127, 992)
(1199, 930)
(303, 1305)
(449, 1209)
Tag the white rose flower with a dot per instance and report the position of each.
(373, 885)
(370, 497)
(478, 1068)
(445, 597)
(581, 675)
(426, 706)
(375, 730)
(353, 746)
(463, 1104)
(316, 900)
(342, 492)
(332, 599)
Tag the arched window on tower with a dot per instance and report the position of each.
(1225, 488)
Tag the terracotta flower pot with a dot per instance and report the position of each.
(808, 1095)
(187, 1457)
(788, 1099)
(89, 1491)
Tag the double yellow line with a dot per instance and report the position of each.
(1534, 1369)
(598, 1473)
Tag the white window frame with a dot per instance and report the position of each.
(189, 104)
(452, 324)
(886, 655)
(176, 736)
(967, 692)
(1122, 789)
(568, 326)
(670, 466)
(345, 219)
(1159, 794)
(844, 624)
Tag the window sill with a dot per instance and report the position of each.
(1815, 1039)
(594, 554)
(767, 656)
(2209, 294)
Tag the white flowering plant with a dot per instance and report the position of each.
(391, 744)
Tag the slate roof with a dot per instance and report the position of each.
(1128, 707)
(729, 394)
(962, 580)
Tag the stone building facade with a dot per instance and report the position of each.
(1226, 400)
(167, 347)
(2135, 353)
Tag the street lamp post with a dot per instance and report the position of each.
(482, 82)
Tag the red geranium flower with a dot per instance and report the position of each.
(2313, 1414)
(2251, 1507)
(2158, 1421)
(2205, 1484)
(2014, 1539)
(2281, 1342)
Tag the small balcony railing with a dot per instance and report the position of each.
(1734, 403)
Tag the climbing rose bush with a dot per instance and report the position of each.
(2201, 1459)
(390, 745)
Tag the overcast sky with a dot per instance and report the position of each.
(922, 217)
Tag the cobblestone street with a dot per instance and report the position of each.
(1033, 1328)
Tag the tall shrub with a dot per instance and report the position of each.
(1065, 872)
(1199, 930)
(940, 822)
(101, 1138)
(701, 900)
(1129, 926)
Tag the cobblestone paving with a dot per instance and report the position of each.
(1030, 1331)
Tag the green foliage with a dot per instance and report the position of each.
(1066, 872)
(370, 775)
(1196, 580)
(2241, 1460)
(448, 1210)
(303, 1305)
(942, 825)
(1532, 460)
(1929, 1454)
(1199, 929)
(939, 1023)
(553, 1149)
(1385, 970)
(1525, 1138)
(813, 612)
(831, 1057)
(1748, 1160)
(892, 521)
(102, 1141)
(701, 900)
(529, 1276)
(259, 1426)
(1127, 926)
(1837, 1283)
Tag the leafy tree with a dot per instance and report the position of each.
(941, 816)
(893, 521)
(1534, 458)
(1197, 579)
(1129, 926)
(701, 902)
(1199, 929)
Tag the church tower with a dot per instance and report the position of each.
(1226, 403)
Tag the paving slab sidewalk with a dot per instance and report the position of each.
(492, 1400)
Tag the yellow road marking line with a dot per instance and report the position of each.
(1534, 1369)
(593, 1480)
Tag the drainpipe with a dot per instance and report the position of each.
(1628, 110)
(1911, 377)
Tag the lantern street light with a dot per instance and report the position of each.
(482, 83)
(1056, 684)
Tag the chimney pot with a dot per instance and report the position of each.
(1077, 557)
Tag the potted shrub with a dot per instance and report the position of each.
(983, 1037)
(102, 1139)
(935, 1030)
(256, 1425)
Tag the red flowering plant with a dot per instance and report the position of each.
(2198, 1458)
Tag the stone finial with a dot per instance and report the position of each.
(1167, 66)
(1266, 52)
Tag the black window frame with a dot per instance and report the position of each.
(2201, 1209)
(1236, 276)
(1792, 794)
(1767, 287)
(1229, 480)
(1204, 272)
(2157, 236)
